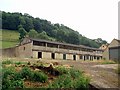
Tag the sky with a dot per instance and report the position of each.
(91, 18)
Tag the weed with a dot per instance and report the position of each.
(26, 73)
(40, 76)
(108, 62)
(71, 79)
(7, 62)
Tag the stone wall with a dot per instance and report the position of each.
(23, 51)
(9, 52)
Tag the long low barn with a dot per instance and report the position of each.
(37, 48)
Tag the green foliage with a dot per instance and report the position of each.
(26, 73)
(7, 62)
(108, 62)
(18, 63)
(43, 35)
(40, 76)
(33, 75)
(10, 38)
(58, 32)
(32, 33)
(62, 70)
(11, 79)
(70, 79)
(22, 33)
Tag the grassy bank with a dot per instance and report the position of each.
(8, 38)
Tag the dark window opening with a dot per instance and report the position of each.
(53, 55)
(39, 54)
(64, 56)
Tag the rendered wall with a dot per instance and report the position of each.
(58, 56)
(69, 56)
(46, 55)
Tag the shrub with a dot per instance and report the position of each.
(26, 73)
(62, 70)
(18, 63)
(11, 79)
(72, 79)
(7, 62)
(63, 81)
(75, 73)
(40, 76)
(8, 71)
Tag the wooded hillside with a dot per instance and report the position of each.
(46, 30)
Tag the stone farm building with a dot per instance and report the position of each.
(37, 48)
(112, 52)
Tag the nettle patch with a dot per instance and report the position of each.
(24, 75)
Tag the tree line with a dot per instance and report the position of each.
(43, 29)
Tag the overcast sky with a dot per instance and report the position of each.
(91, 18)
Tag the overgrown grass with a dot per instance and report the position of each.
(70, 79)
(108, 62)
(7, 62)
(10, 79)
(8, 38)
(15, 79)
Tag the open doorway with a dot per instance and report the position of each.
(39, 54)
(64, 56)
(53, 55)
(74, 57)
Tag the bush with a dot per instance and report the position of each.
(40, 76)
(75, 73)
(26, 73)
(7, 62)
(11, 79)
(8, 71)
(72, 79)
(18, 63)
(62, 70)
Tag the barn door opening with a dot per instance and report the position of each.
(39, 54)
(74, 57)
(64, 56)
(53, 55)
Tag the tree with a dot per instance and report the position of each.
(43, 35)
(22, 33)
(29, 24)
(32, 33)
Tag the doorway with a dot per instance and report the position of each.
(74, 57)
(53, 55)
(39, 54)
(64, 56)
